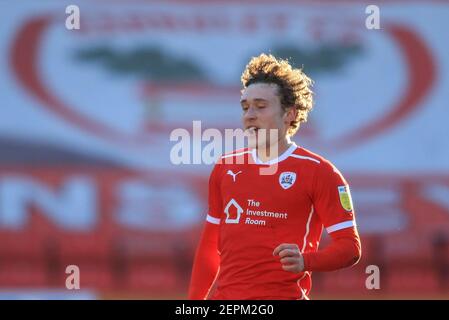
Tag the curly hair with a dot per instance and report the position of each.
(294, 86)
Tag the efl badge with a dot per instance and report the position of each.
(287, 179)
(345, 197)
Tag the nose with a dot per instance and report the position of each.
(250, 114)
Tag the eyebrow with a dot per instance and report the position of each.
(256, 100)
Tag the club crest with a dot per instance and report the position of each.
(287, 179)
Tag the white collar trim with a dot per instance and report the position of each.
(282, 157)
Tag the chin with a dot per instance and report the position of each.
(262, 143)
(252, 145)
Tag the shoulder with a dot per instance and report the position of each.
(318, 162)
(308, 156)
(234, 155)
(239, 156)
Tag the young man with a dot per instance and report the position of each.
(262, 231)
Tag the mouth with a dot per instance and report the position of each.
(251, 129)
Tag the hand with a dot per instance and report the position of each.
(291, 258)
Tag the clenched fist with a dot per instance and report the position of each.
(290, 257)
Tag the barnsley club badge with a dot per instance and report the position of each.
(345, 197)
(287, 179)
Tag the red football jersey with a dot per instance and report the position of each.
(259, 210)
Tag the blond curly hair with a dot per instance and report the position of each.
(294, 86)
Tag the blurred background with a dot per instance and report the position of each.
(86, 115)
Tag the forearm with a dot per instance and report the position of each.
(343, 251)
(206, 263)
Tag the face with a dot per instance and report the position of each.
(262, 109)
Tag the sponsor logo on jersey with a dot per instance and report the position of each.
(345, 197)
(233, 212)
(287, 179)
(234, 175)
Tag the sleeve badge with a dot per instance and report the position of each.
(345, 197)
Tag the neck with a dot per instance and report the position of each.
(274, 150)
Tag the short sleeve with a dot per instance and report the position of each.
(332, 199)
(215, 202)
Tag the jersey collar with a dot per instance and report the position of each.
(283, 156)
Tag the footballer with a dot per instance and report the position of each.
(262, 231)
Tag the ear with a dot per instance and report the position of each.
(290, 115)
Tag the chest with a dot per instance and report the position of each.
(270, 197)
